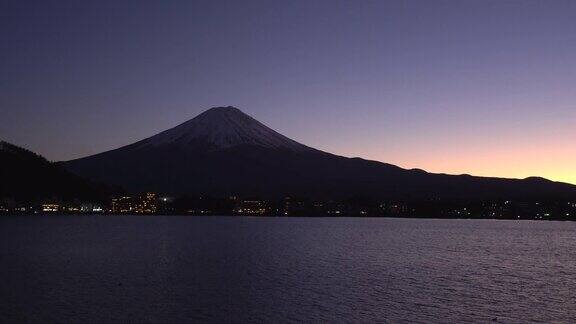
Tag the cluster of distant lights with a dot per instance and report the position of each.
(251, 210)
(201, 212)
(144, 204)
(147, 205)
(53, 208)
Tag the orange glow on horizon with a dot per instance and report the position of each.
(551, 159)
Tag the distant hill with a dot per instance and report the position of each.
(226, 152)
(28, 177)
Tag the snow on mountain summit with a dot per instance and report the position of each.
(221, 128)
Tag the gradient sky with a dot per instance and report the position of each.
(478, 87)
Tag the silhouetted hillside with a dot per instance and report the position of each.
(28, 177)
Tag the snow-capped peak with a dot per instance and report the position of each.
(224, 127)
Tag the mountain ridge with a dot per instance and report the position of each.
(223, 151)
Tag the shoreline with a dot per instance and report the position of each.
(278, 216)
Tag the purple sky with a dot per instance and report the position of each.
(480, 87)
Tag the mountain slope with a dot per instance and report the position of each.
(28, 177)
(225, 152)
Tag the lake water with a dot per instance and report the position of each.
(74, 269)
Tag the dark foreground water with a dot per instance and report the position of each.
(74, 269)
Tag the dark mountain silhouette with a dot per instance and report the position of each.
(226, 152)
(28, 177)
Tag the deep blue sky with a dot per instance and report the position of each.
(481, 87)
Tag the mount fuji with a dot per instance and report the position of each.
(223, 151)
(222, 128)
